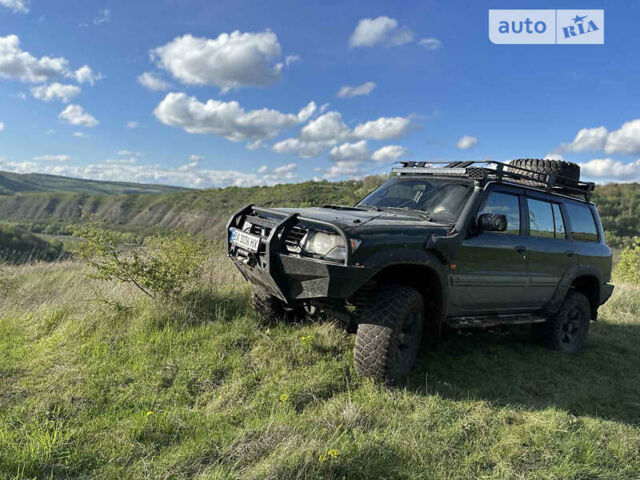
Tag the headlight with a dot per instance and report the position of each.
(320, 243)
(328, 245)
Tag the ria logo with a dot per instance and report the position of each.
(580, 27)
(546, 26)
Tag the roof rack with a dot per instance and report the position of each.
(498, 172)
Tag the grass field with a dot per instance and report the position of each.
(126, 388)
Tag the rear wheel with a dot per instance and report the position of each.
(389, 334)
(567, 330)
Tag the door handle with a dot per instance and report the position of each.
(570, 253)
(521, 249)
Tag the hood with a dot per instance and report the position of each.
(353, 218)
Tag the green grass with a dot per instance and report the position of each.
(127, 388)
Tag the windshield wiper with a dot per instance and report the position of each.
(420, 213)
(369, 207)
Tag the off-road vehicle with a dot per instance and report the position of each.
(457, 245)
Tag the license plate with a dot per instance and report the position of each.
(245, 240)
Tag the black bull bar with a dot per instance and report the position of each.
(285, 276)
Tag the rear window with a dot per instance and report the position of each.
(583, 225)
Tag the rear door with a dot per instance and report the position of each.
(489, 273)
(549, 249)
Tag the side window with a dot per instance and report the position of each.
(561, 232)
(540, 219)
(583, 226)
(505, 204)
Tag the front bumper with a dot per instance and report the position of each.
(605, 292)
(289, 276)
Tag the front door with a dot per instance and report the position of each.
(489, 274)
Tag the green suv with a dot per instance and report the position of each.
(457, 245)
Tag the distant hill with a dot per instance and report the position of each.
(12, 183)
(196, 211)
(206, 211)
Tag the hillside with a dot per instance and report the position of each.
(129, 388)
(12, 183)
(206, 211)
(203, 211)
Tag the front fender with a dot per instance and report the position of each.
(415, 257)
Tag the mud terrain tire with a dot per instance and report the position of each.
(269, 308)
(567, 330)
(389, 334)
(567, 173)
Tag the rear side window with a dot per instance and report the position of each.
(583, 226)
(540, 219)
(505, 204)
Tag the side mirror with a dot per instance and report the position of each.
(492, 222)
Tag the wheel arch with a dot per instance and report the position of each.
(427, 275)
(583, 278)
(589, 286)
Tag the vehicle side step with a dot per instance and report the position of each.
(485, 321)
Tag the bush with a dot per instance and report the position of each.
(628, 268)
(163, 267)
(19, 246)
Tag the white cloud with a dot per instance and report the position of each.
(389, 153)
(607, 169)
(52, 158)
(430, 43)
(379, 31)
(350, 152)
(75, 115)
(188, 175)
(342, 169)
(348, 91)
(467, 142)
(79, 134)
(291, 59)
(232, 60)
(129, 153)
(383, 128)
(554, 156)
(302, 148)
(196, 158)
(17, 64)
(624, 140)
(132, 124)
(1, 126)
(149, 81)
(55, 91)
(17, 6)
(226, 119)
(329, 129)
(315, 137)
(328, 126)
(103, 16)
(85, 75)
(587, 139)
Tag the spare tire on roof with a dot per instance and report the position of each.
(566, 173)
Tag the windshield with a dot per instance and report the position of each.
(441, 199)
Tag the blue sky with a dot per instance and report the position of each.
(204, 94)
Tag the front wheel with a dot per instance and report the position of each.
(269, 309)
(567, 330)
(389, 334)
